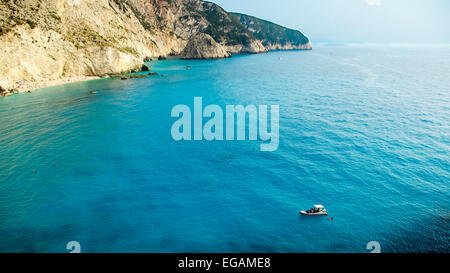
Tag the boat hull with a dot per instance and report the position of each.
(313, 214)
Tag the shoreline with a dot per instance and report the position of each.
(22, 87)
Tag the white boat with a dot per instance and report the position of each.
(316, 211)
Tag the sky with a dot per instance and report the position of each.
(366, 21)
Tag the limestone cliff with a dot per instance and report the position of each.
(203, 46)
(44, 40)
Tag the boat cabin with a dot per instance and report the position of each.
(318, 208)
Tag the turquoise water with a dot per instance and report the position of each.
(363, 131)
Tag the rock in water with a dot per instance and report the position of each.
(203, 46)
(145, 68)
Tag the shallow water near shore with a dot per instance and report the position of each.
(363, 131)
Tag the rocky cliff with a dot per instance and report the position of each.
(203, 46)
(273, 36)
(44, 40)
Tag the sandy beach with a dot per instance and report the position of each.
(21, 87)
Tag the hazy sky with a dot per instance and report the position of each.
(372, 21)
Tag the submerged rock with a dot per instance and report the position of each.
(138, 76)
(203, 46)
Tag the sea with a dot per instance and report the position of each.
(364, 130)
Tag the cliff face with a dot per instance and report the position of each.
(50, 39)
(273, 36)
(203, 46)
(42, 40)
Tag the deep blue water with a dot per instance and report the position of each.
(364, 131)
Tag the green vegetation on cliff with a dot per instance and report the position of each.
(19, 12)
(223, 27)
(271, 34)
